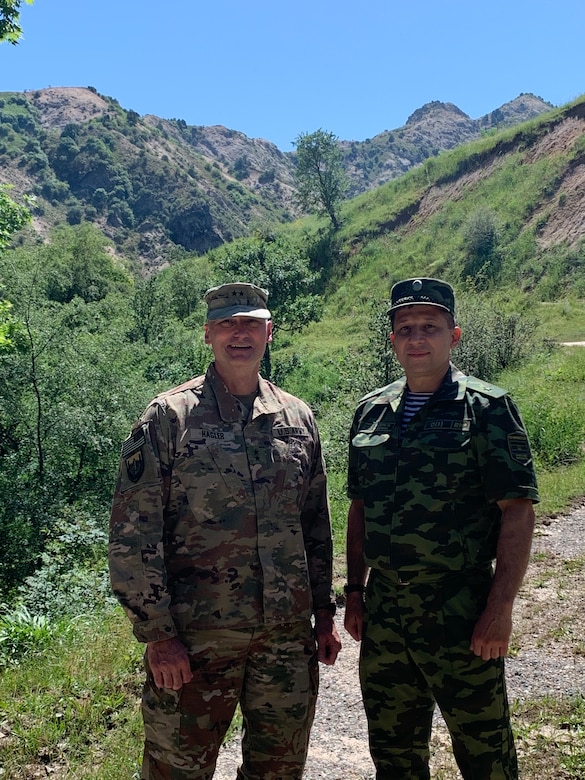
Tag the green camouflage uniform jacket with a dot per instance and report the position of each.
(430, 496)
(218, 523)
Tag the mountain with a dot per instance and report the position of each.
(159, 187)
(431, 129)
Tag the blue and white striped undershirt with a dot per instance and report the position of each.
(412, 403)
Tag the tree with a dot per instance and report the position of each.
(10, 29)
(70, 386)
(481, 242)
(13, 216)
(282, 267)
(319, 176)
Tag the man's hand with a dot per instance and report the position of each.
(169, 663)
(354, 615)
(356, 568)
(328, 640)
(491, 636)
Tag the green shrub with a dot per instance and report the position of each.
(492, 339)
(22, 634)
(72, 579)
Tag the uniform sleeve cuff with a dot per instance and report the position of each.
(154, 630)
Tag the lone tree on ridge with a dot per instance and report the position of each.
(319, 176)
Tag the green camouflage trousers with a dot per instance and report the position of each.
(415, 652)
(271, 672)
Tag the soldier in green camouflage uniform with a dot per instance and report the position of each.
(221, 555)
(442, 485)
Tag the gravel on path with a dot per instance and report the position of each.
(339, 744)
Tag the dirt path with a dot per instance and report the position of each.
(549, 660)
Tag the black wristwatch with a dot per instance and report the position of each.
(353, 587)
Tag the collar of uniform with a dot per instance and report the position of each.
(457, 378)
(229, 411)
(453, 386)
(267, 401)
(391, 394)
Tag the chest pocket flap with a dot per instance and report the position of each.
(369, 439)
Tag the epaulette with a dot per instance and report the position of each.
(486, 388)
(162, 399)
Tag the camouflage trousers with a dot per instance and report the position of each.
(415, 653)
(271, 672)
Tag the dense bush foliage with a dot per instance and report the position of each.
(84, 348)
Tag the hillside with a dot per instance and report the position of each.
(507, 211)
(159, 187)
(431, 129)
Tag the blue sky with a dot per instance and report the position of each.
(273, 69)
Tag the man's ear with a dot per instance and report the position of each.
(455, 336)
(269, 332)
(207, 339)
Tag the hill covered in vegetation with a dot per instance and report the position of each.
(160, 188)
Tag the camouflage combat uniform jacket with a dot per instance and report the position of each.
(217, 522)
(430, 495)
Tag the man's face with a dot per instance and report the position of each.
(238, 342)
(423, 338)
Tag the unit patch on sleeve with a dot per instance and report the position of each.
(518, 447)
(133, 456)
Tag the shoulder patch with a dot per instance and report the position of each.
(132, 455)
(134, 442)
(518, 447)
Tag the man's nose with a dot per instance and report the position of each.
(240, 327)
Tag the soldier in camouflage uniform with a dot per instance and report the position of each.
(221, 555)
(442, 486)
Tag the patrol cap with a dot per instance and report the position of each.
(238, 299)
(431, 292)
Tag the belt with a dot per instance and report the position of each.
(416, 577)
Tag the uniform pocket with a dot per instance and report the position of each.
(364, 439)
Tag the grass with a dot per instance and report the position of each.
(554, 728)
(550, 741)
(74, 713)
(75, 708)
